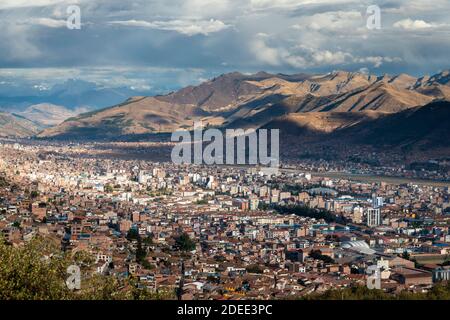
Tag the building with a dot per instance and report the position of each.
(373, 217)
(377, 202)
(357, 215)
(254, 203)
(441, 274)
(241, 204)
(125, 226)
(39, 210)
(412, 276)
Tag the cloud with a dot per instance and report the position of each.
(208, 8)
(264, 53)
(377, 61)
(48, 22)
(20, 44)
(274, 35)
(298, 57)
(186, 27)
(12, 4)
(331, 58)
(409, 24)
(303, 56)
(332, 21)
(289, 4)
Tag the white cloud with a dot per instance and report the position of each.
(417, 6)
(186, 27)
(376, 61)
(271, 4)
(48, 22)
(297, 57)
(11, 4)
(206, 8)
(264, 53)
(328, 57)
(332, 21)
(409, 24)
(303, 56)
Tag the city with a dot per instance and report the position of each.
(225, 158)
(224, 232)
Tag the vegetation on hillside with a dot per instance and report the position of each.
(38, 271)
(440, 291)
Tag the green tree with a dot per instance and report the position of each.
(133, 234)
(406, 255)
(16, 224)
(304, 211)
(34, 194)
(38, 271)
(317, 255)
(254, 268)
(184, 243)
(439, 291)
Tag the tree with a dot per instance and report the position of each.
(439, 291)
(16, 224)
(35, 271)
(148, 241)
(141, 253)
(406, 255)
(133, 234)
(3, 182)
(184, 243)
(34, 194)
(304, 211)
(254, 268)
(38, 271)
(319, 256)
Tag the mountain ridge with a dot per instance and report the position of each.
(237, 100)
(16, 126)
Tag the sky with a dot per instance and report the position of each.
(155, 46)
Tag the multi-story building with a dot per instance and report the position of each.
(373, 216)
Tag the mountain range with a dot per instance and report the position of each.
(48, 115)
(350, 107)
(12, 125)
(71, 94)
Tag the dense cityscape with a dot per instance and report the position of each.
(203, 159)
(223, 232)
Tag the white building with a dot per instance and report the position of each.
(377, 202)
(373, 217)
